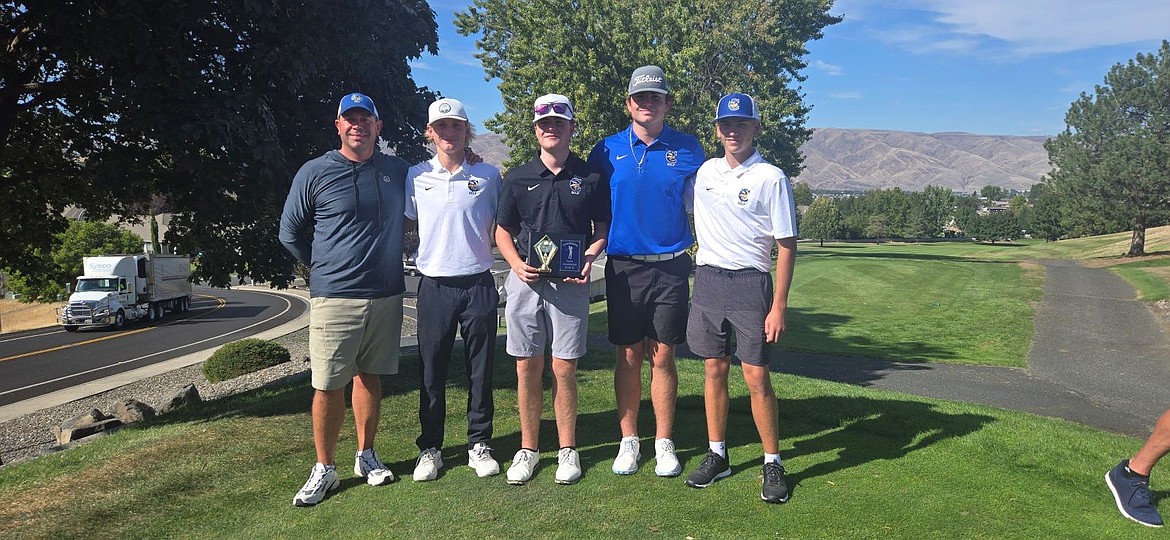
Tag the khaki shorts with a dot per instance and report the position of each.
(348, 336)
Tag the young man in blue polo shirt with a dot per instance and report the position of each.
(559, 193)
(743, 207)
(646, 277)
(454, 204)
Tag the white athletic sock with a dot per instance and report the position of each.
(367, 453)
(719, 447)
(769, 458)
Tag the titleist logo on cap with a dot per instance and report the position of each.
(644, 79)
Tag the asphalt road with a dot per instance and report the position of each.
(38, 362)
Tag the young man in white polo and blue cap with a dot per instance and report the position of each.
(343, 219)
(454, 204)
(648, 270)
(743, 206)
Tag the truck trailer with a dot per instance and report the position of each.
(116, 289)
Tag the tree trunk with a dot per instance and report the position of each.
(1137, 244)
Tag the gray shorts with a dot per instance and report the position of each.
(348, 336)
(543, 312)
(727, 300)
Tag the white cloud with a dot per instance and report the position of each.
(419, 64)
(1032, 27)
(831, 70)
(854, 94)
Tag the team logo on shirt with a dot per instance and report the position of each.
(575, 186)
(473, 184)
(386, 179)
(671, 158)
(743, 196)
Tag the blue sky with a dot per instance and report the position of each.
(1000, 67)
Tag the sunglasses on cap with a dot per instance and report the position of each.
(558, 108)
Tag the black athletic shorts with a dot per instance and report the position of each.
(647, 299)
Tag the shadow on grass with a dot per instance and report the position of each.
(806, 325)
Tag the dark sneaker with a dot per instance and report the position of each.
(713, 467)
(1132, 494)
(775, 486)
(322, 480)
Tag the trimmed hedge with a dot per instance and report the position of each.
(243, 356)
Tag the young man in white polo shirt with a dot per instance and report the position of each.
(454, 204)
(743, 206)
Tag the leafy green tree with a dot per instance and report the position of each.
(212, 105)
(937, 206)
(81, 239)
(802, 194)
(822, 220)
(877, 228)
(993, 193)
(586, 50)
(993, 227)
(1114, 154)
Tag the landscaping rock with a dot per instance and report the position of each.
(131, 410)
(187, 395)
(84, 425)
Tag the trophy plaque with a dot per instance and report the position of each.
(557, 255)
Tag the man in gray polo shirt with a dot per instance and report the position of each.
(454, 203)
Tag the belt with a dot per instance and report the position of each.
(657, 257)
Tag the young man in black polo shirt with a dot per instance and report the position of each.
(557, 193)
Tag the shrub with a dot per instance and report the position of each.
(243, 356)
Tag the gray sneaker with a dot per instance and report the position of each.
(322, 480)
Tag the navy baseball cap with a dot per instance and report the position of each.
(356, 99)
(737, 106)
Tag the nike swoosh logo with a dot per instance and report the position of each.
(710, 188)
(530, 188)
(428, 188)
(623, 156)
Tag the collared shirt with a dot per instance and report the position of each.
(455, 212)
(741, 212)
(535, 199)
(343, 220)
(647, 185)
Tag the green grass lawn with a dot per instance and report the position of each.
(863, 464)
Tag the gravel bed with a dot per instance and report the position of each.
(29, 436)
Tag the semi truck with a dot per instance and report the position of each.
(116, 289)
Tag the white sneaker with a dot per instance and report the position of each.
(372, 469)
(628, 456)
(666, 462)
(569, 466)
(523, 465)
(322, 479)
(428, 465)
(480, 459)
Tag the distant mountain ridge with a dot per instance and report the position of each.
(864, 159)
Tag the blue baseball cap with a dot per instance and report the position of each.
(737, 106)
(356, 99)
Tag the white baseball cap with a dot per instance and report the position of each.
(552, 105)
(446, 108)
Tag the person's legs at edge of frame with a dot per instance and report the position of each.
(478, 322)
(345, 345)
(1129, 481)
(528, 327)
(650, 320)
(437, 312)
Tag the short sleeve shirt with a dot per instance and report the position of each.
(535, 199)
(648, 188)
(455, 212)
(741, 212)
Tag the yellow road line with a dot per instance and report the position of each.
(220, 303)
